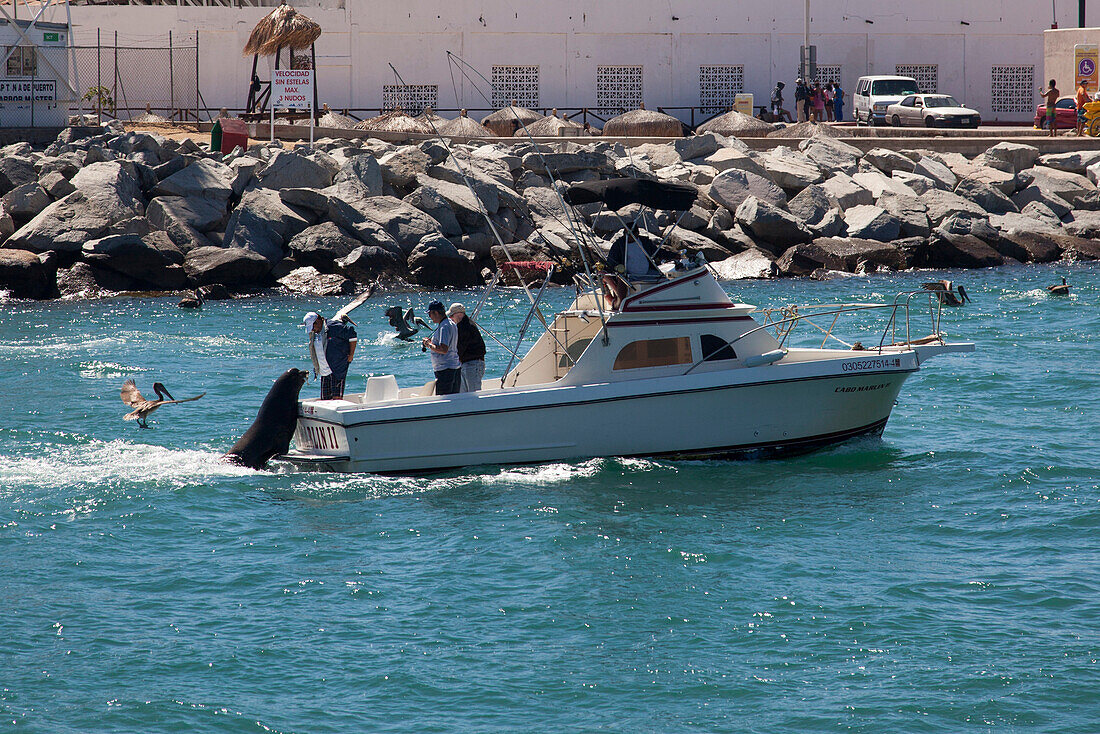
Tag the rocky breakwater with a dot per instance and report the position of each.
(105, 211)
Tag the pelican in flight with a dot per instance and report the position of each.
(407, 323)
(946, 292)
(142, 407)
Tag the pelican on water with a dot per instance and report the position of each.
(195, 300)
(142, 407)
(1059, 290)
(946, 292)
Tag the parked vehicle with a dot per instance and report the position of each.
(875, 93)
(931, 110)
(1065, 112)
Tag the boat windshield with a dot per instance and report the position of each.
(941, 102)
(894, 87)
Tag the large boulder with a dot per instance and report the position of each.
(26, 201)
(308, 281)
(942, 204)
(466, 207)
(791, 169)
(436, 263)
(985, 196)
(288, 169)
(360, 176)
(56, 185)
(1069, 186)
(321, 245)
(732, 187)
(25, 274)
(1083, 224)
(961, 251)
(1013, 156)
(831, 154)
(401, 167)
(752, 263)
(1077, 161)
(872, 223)
(406, 224)
(1046, 197)
(205, 178)
(943, 176)
(200, 214)
(432, 203)
(152, 260)
(235, 267)
(560, 163)
(725, 159)
(917, 183)
(263, 224)
(770, 224)
(1032, 246)
(367, 263)
(15, 171)
(888, 161)
(843, 190)
(910, 211)
(811, 204)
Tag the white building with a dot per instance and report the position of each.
(675, 54)
(35, 71)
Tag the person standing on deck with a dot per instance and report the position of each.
(443, 344)
(471, 349)
(331, 348)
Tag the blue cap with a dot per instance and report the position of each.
(436, 306)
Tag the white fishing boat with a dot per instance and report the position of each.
(675, 369)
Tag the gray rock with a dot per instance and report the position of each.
(432, 203)
(1012, 223)
(725, 159)
(26, 201)
(406, 224)
(25, 275)
(359, 176)
(172, 167)
(770, 224)
(1015, 156)
(872, 223)
(244, 170)
(204, 178)
(1039, 210)
(321, 245)
(961, 251)
(831, 154)
(56, 185)
(367, 263)
(888, 161)
(969, 224)
(845, 192)
(684, 239)
(308, 281)
(467, 207)
(151, 261)
(235, 267)
(911, 213)
(985, 196)
(658, 155)
(879, 183)
(66, 164)
(1028, 245)
(831, 225)
(915, 181)
(1083, 224)
(751, 264)
(1047, 198)
(263, 224)
(853, 254)
(288, 169)
(810, 205)
(402, 166)
(309, 199)
(203, 215)
(1077, 161)
(14, 172)
(943, 177)
(1068, 186)
(437, 263)
(942, 204)
(696, 146)
(7, 225)
(560, 163)
(790, 169)
(730, 188)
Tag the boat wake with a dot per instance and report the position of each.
(107, 370)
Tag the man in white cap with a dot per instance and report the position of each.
(471, 348)
(331, 347)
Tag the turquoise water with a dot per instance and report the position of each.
(943, 578)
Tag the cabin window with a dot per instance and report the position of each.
(715, 349)
(654, 353)
(573, 352)
(22, 61)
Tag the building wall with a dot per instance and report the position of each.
(48, 78)
(569, 39)
(1058, 56)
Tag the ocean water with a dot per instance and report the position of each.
(943, 578)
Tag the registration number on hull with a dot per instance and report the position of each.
(317, 437)
(874, 363)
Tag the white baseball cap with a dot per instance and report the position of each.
(456, 308)
(310, 319)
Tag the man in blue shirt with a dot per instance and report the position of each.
(331, 347)
(443, 344)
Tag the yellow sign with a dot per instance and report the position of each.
(743, 104)
(1085, 59)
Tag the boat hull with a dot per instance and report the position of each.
(706, 416)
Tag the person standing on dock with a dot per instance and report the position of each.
(1051, 97)
(443, 344)
(838, 102)
(471, 349)
(331, 347)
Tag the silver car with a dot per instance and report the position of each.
(931, 110)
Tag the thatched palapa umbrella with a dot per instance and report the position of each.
(503, 122)
(335, 119)
(552, 126)
(394, 121)
(432, 120)
(283, 27)
(644, 123)
(463, 127)
(737, 124)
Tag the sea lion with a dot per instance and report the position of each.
(273, 428)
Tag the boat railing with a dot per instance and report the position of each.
(783, 320)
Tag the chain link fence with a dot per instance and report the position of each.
(125, 82)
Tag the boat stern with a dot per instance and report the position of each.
(320, 439)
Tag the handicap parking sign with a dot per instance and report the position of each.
(1086, 68)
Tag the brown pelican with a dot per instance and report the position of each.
(142, 407)
(407, 323)
(195, 300)
(1059, 290)
(946, 292)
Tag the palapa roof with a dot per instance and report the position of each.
(395, 121)
(335, 119)
(283, 27)
(805, 130)
(737, 123)
(551, 126)
(429, 118)
(644, 123)
(503, 121)
(463, 127)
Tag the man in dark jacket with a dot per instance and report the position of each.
(471, 348)
(331, 347)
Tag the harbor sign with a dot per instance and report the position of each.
(1084, 63)
(292, 88)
